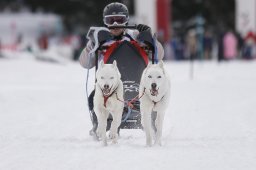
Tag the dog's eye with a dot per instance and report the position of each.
(159, 77)
(101, 77)
(111, 78)
(150, 76)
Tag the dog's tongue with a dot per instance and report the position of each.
(154, 92)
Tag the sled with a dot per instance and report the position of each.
(131, 61)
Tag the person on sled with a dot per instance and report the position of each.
(114, 14)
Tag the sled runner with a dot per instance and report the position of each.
(131, 61)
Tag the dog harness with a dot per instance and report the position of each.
(108, 96)
(110, 48)
(158, 101)
(113, 47)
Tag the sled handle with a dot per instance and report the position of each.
(123, 26)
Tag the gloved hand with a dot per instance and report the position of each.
(89, 46)
(142, 27)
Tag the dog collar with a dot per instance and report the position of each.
(158, 101)
(108, 96)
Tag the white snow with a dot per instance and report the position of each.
(44, 121)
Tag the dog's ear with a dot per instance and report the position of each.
(119, 74)
(161, 65)
(149, 64)
(114, 63)
(101, 65)
(115, 66)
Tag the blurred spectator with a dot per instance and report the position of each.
(220, 46)
(254, 52)
(19, 39)
(191, 44)
(29, 48)
(43, 41)
(1, 49)
(168, 51)
(178, 48)
(230, 45)
(249, 46)
(240, 45)
(78, 45)
(207, 45)
(20, 45)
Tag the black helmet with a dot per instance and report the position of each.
(115, 9)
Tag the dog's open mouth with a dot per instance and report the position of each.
(154, 92)
(106, 91)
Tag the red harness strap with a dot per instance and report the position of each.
(113, 46)
(110, 50)
(141, 51)
(106, 98)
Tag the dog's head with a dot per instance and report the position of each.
(154, 78)
(108, 77)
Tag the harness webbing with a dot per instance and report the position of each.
(107, 54)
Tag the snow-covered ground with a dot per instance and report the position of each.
(44, 122)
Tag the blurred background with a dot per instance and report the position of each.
(195, 29)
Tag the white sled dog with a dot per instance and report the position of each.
(108, 100)
(155, 94)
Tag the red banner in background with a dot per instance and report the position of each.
(163, 19)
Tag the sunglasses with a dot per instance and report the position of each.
(111, 20)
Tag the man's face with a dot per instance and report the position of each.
(116, 31)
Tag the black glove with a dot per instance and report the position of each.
(141, 27)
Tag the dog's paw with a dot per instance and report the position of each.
(149, 145)
(112, 135)
(149, 142)
(158, 143)
(105, 143)
(99, 134)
